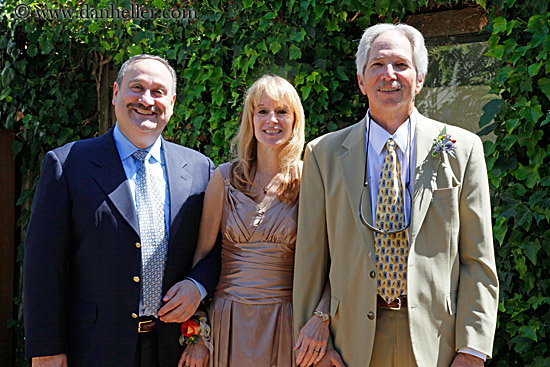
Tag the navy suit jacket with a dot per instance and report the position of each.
(81, 254)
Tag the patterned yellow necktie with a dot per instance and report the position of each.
(392, 250)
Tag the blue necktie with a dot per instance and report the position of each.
(152, 228)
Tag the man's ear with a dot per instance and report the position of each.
(361, 84)
(419, 84)
(115, 93)
(173, 99)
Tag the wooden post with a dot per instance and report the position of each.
(449, 24)
(105, 99)
(7, 245)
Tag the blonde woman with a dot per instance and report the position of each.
(253, 202)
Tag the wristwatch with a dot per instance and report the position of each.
(324, 316)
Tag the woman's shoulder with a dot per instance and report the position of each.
(224, 170)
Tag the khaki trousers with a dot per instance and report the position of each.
(392, 340)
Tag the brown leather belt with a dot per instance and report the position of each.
(397, 304)
(147, 324)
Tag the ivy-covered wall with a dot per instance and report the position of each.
(519, 171)
(52, 72)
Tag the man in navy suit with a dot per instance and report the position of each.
(83, 270)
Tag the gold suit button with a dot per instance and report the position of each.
(136, 279)
(372, 274)
(370, 315)
(138, 245)
(134, 315)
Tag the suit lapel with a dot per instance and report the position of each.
(179, 184)
(425, 173)
(352, 163)
(111, 178)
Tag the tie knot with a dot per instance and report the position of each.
(390, 145)
(140, 155)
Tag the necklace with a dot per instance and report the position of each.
(265, 188)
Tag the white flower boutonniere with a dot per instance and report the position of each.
(444, 144)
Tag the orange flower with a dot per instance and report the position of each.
(190, 328)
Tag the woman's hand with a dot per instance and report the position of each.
(332, 359)
(312, 342)
(195, 355)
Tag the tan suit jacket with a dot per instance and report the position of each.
(452, 278)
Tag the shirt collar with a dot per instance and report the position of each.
(126, 148)
(379, 136)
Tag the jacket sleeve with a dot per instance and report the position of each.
(312, 250)
(477, 300)
(207, 271)
(45, 264)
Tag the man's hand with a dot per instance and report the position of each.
(331, 359)
(59, 360)
(182, 299)
(467, 360)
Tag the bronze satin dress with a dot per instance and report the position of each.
(251, 314)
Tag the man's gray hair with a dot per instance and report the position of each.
(133, 59)
(420, 53)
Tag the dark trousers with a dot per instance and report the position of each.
(147, 352)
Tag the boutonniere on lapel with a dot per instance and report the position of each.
(443, 144)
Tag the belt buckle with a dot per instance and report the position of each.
(140, 323)
(399, 304)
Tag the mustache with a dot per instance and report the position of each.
(393, 84)
(138, 105)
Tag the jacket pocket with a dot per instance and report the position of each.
(334, 302)
(450, 300)
(447, 193)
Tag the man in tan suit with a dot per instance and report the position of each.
(436, 303)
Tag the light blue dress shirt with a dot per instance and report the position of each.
(131, 165)
(406, 155)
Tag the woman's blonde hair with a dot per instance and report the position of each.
(245, 142)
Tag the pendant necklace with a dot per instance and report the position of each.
(266, 188)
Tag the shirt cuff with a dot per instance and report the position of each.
(473, 352)
(202, 290)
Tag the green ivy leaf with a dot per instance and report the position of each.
(528, 332)
(544, 85)
(298, 36)
(531, 249)
(5, 92)
(7, 75)
(64, 135)
(500, 229)
(499, 25)
(274, 47)
(295, 52)
(511, 125)
(46, 46)
(490, 110)
(534, 69)
(527, 174)
(305, 91)
(16, 146)
(32, 50)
